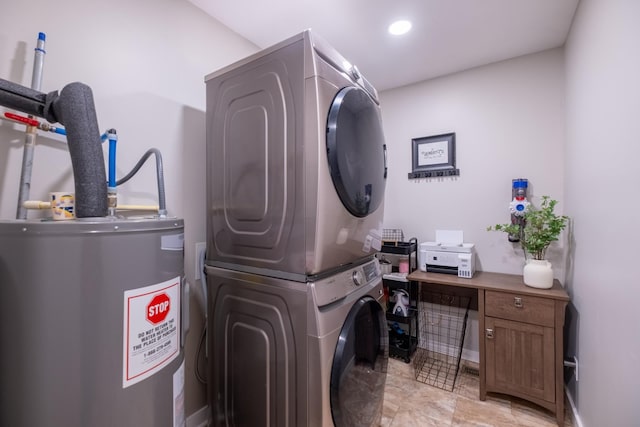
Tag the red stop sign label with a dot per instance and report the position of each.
(158, 308)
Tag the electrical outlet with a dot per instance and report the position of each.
(201, 250)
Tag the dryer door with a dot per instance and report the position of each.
(356, 151)
(359, 367)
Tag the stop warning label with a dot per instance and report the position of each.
(158, 308)
(151, 338)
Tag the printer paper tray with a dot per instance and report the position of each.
(442, 269)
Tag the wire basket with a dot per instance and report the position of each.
(442, 325)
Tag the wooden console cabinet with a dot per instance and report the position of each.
(521, 335)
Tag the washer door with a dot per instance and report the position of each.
(359, 368)
(356, 151)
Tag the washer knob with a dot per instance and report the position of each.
(357, 277)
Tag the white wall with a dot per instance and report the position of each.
(602, 152)
(145, 61)
(509, 123)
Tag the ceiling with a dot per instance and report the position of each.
(447, 35)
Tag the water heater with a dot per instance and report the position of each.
(91, 325)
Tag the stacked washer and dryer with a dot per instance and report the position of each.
(296, 172)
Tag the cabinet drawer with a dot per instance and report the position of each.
(520, 308)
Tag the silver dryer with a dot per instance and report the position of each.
(296, 162)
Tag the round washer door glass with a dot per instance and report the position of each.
(359, 368)
(356, 151)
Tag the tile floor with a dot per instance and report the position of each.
(409, 403)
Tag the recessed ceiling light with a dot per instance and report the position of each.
(400, 27)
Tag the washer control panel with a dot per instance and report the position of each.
(371, 270)
(339, 285)
(357, 277)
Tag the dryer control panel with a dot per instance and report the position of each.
(341, 284)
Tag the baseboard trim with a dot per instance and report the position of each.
(200, 418)
(470, 355)
(452, 351)
(577, 422)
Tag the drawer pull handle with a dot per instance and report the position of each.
(489, 333)
(517, 301)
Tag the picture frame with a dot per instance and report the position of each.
(434, 156)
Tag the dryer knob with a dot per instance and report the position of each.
(357, 277)
(355, 73)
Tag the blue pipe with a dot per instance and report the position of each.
(113, 138)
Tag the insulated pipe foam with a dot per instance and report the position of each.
(74, 108)
(23, 99)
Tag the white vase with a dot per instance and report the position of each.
(538, 273)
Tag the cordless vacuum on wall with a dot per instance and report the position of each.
(518, 205)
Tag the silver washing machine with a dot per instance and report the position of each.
(296, 162)
(286, 353)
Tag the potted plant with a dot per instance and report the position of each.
(541, 227)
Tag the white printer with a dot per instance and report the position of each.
(448, 254)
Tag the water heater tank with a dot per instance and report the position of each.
(91, 326)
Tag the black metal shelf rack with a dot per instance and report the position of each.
(403, 330)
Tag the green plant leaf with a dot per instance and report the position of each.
(542, 226)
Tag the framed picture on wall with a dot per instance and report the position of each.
(434, 156)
